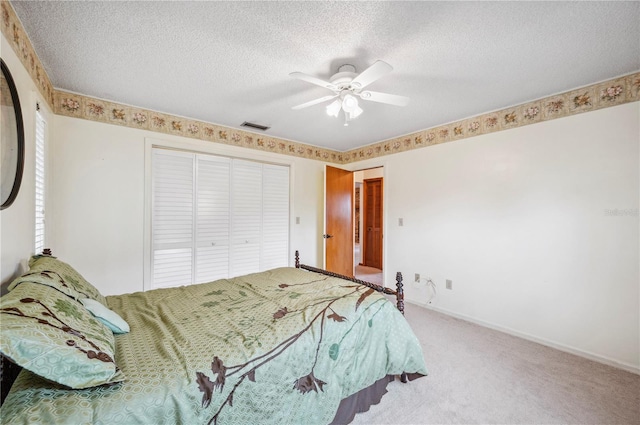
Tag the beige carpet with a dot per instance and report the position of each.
(481, 376)
(369, 274)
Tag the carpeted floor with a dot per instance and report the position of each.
(369, 274)
(481, 376)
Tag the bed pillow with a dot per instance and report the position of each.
(54, 336)
(52, 272)
(109, 318)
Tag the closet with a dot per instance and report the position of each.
(215, 217)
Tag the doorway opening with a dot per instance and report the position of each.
(368, 225)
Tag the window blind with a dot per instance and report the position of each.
(40, 180)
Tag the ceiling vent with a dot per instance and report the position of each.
(256, 126)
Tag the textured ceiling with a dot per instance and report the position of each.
(228, 62)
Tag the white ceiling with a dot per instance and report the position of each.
(228, 62)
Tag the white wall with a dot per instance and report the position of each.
(17, 222)
(99, 195)
(521, 222)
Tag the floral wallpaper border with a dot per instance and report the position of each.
(597, 96)
(14, 32)
(79, 106)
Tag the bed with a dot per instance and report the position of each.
(285, 346)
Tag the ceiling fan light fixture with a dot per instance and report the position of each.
(355, 113)
(350, 103)
(333, 109)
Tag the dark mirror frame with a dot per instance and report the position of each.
(19, 156)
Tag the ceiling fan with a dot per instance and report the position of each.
(346, 84)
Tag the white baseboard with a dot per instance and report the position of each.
(562, 347)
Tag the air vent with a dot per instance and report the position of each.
(256, 126)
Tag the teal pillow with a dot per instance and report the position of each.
(54, 336)
(52, 272)
(110, 318)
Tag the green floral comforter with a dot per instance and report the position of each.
(283, 346)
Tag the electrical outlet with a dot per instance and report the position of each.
(449, 284)
(417, 279)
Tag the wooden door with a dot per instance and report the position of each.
(338, 235)
(372, 246)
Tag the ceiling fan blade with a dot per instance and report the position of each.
(377, 70)
(315, 102)
(312, 80)
(391, 99)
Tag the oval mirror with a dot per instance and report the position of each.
(12, 143)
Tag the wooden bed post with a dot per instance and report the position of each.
(400, 293)
(297, 259)
(400, 305)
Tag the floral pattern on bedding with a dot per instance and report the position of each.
(54, 336)
(304, 384)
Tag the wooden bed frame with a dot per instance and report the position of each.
(9, 371)
(399, 293)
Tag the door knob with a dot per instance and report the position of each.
(327, 236)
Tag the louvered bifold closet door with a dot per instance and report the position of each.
(172, 218)
(215, 217)
(275, 217)
(212, 219)
(246, 217)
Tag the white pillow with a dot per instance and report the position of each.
(110, 318)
